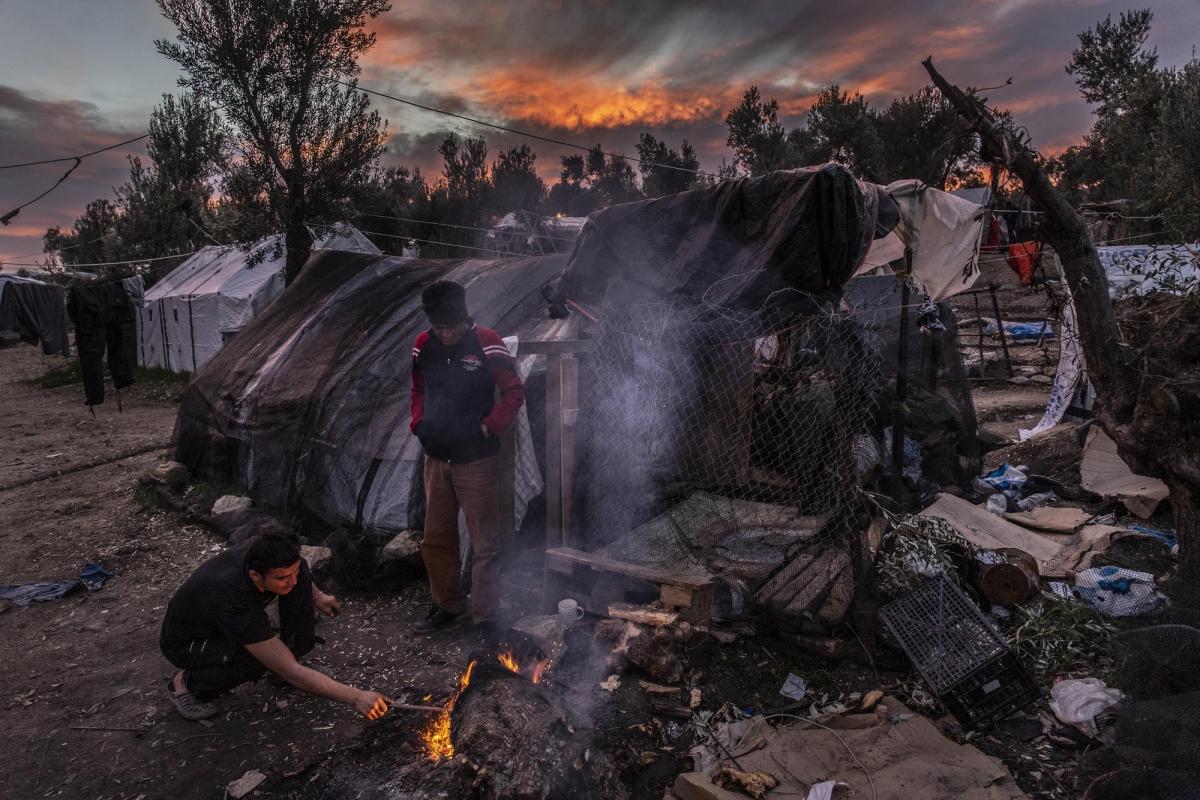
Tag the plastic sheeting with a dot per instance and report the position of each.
(1139, 269)
(943, 231)
(189, 315)
(735, 244)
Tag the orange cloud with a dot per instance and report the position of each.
(582, 104)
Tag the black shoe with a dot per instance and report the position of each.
(438, 619)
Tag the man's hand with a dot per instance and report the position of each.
(371, 705)
(327, 604)
(486, 431)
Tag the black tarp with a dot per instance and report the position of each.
(34, 312)
(732, 244)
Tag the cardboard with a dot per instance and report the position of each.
(1050, 519)
(1104, 472)
(984, 529)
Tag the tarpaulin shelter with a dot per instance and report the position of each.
(34, 312)
(187, 316)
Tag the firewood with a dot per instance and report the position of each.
(668, 709)
(643, 615)
(654, 688)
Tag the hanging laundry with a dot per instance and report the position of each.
(1024, 258)
(100, 314)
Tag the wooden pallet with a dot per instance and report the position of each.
(596, 582)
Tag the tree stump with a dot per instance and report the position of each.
(514, 740)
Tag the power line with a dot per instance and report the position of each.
(78, 157)
(526, 134)
(460, 227)
(431, 241)
(68, 247)
(108, 263)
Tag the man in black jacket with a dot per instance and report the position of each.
(458, 367)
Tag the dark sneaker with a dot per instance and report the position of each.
(438, 619)
(188, 705)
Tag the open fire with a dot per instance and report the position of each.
(436, 737)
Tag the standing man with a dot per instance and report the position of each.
(458, 367)
(217, 631)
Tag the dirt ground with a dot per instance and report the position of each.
(83, 711)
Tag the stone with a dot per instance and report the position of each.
(315, 555)
(231, 502)
(170, 473)
(1019, 380)
(244, 785)
(1042, 379)
(406, 545)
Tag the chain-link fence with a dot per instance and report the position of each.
(727, 444)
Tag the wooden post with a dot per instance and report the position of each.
(1000, 324)
(901, 390)
(554, 450)
(570, 413)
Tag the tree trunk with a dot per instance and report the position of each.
(297, 238)
(1154, 437)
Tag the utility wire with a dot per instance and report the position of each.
(526, 134)
(488, 250)
(68, 247)
(78, 157)
(460, 227)
(109, 263)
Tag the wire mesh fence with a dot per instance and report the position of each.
(727, 443)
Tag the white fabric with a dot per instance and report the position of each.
(189, 315)
(1077, 701)
(943, 232)
(1071, 371)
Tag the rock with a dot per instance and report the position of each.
(169, 473)
(404, 546)
(1045, 380)
(245, 784)
(1027, 370)
(1019, 380)
(315, 555)
(231, 502)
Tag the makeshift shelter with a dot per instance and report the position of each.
(714, 312)
(35, 312)
(523, 233)
(189, 315)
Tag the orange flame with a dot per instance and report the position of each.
(436, 737)
(510, 663)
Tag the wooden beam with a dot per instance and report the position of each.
(557, 347)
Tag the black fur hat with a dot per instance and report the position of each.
(445, 302)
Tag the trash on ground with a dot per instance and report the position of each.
(1005, 477)
(244, 785)
(1103, 472)
(794, 687)
(92, 577)
(611, 683)
(965, 662)
(991, 532)
(1050, 519)
(756, 784)
(1032, 501)
(1117, 592)
(1078, 701)
(827, 790)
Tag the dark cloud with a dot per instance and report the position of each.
(34, 128)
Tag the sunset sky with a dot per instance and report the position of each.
(75, 76)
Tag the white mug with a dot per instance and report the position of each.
(569, 612)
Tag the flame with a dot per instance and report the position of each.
(436, 737)
(510, 663)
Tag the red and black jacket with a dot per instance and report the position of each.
(454, 389)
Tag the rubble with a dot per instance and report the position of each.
(231, 502)
(168, 473)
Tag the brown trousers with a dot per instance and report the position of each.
(471, 487)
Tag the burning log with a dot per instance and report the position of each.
(514, 740)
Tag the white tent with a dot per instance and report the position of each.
(188, 316)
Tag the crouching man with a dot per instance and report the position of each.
(217, 632)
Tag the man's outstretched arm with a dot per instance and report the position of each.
(275, 656)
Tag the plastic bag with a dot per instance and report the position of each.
(1035, 500)
(1005, 477)
(1078, 701)
(997, 503)
(1118, 592)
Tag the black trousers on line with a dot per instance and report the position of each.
(215, 666)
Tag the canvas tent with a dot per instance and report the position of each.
(34, 312)
(308, 406)
(189, 315)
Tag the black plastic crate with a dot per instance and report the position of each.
(965, 661)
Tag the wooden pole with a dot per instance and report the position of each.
(1000, 324)
(554, 450)
(901, 389)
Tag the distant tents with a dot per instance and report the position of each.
(190, 314)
